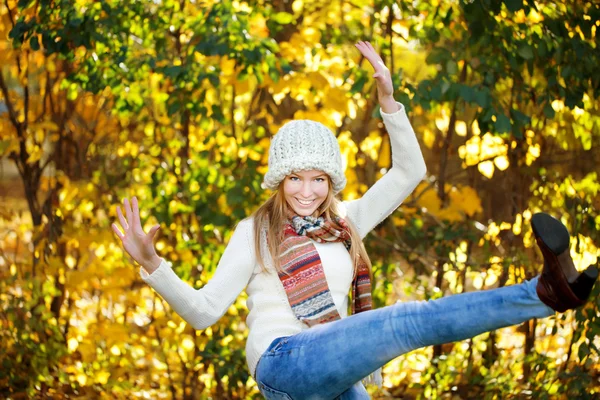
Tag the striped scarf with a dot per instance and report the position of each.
(302, 274)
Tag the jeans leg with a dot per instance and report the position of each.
(326, 360)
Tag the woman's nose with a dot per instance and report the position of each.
(306, 190)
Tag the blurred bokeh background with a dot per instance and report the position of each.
(176, 101)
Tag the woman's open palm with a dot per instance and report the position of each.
(137, 243)
(382, 75)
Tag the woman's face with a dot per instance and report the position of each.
(305, 191)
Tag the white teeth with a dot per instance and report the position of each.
(305, 202)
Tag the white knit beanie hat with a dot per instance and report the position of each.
(302, 145)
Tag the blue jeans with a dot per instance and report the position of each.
(328, 361)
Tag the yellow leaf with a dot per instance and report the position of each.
(258, 26)
(430, 201)
(470, 201)
(533, 152)
(87, 351)
(35, 155)
(318, 81)
(385, 155)
(501, 162)
(336, 100)
(227, 66)
(73, 343)
(70, 261)
(486, 168)
(81, 378)
(45, 126)
(187, 343)
(461, 128)
(442, 123)
(475, 128)
(349, 149)
(102, 377)
(429, 139)
(370, 145)
(115, 351)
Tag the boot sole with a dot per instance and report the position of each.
(555, 237)
(551, 231)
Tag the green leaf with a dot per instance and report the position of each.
(502, 124)
(525, 51)
(519, 117)
(282, 18)
(3, 146)
(451, 67)
(467, 93)
(173, 108)
(358, 85)
(24, 3)
(542, 49)
(436, 92)
(438, 55)
(34, 43)
(513, 5)
(483, 98)
(172, 71)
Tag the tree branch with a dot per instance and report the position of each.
(448, 141)
(12, 114)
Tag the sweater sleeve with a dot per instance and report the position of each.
(408, 169)
(203, 307)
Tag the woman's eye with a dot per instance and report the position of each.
(294, 178)
(320, 179)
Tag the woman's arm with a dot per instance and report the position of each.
(203, 307)
(408, 165)
(408, 169)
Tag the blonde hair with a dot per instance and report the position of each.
(271, 217)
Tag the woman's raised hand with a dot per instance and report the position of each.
(138, 244)
(383, 77)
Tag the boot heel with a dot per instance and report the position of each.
(583, 285)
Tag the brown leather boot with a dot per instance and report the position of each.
(561, 286)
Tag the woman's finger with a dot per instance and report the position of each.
(152, 232)
(128, 211)
(374, 53)
(122, 219)
(361, 47)
(370, 54)
(117, 231)
(136, 213)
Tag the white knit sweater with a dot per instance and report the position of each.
(270, 315)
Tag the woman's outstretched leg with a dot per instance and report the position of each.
(324, 361)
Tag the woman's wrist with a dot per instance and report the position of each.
(388, 104)
(152, 265)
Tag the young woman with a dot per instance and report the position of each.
(301, 253)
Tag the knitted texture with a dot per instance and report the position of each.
(302, 274)
(303, 145)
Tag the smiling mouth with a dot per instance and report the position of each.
(304, 202)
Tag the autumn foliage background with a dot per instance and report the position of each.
(176, 101)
